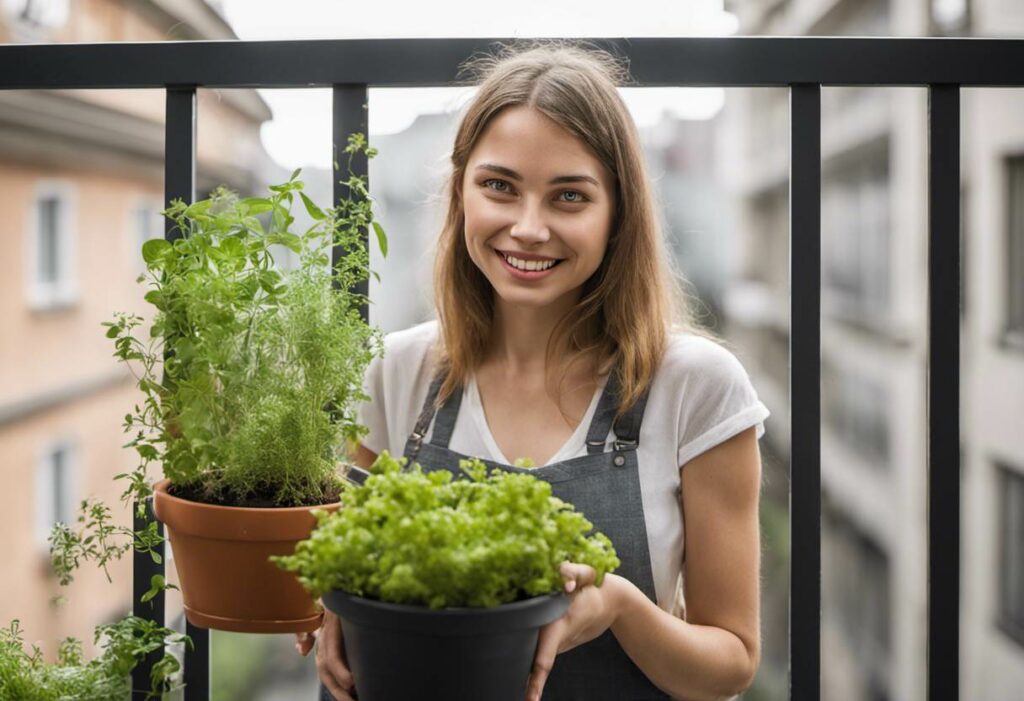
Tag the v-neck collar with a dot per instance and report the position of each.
(471, 395)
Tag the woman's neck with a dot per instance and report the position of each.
(520, 338)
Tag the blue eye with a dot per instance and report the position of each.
(494, 180)
(580, 197)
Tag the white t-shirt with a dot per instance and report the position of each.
(700, 396)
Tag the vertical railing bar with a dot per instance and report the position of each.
(805, 396)
(349, 114)
(943, 392)
(143, 570)
(180, 183)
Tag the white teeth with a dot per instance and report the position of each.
(529, 265)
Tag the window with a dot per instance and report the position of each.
(1011, 552)
(147, 223)
(51, 281)
(855, 245)
(1015, 252)
(857, 596)
(856, 409)
(56, 484)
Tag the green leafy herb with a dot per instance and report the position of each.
(27, 677)
(250, 374)
(415, 537)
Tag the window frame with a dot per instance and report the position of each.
(1007, 479)
(43, 295)
(47, 513)
(152, 205)
(1012, 332)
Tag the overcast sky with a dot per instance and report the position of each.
(300, 132)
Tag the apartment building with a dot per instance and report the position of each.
(81, 188)
(874, 344)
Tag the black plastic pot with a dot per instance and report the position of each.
(398, 651)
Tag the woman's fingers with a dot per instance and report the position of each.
(544, 658)
(577, 576)
(331, 665)
(304, 642)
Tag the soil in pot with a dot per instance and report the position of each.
(258, 500)
(399, 651)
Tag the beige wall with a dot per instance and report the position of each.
(56, 350)
(28, 584)
(48, 349)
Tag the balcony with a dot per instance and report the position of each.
(800, 65)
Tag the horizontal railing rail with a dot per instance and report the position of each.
(654, 62)
(804, 65)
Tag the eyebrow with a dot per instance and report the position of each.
(554, 181)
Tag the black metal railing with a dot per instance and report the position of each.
(802, 64)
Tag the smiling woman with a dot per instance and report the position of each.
(563, 341)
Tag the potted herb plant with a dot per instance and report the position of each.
(423, 569)
(250, 376)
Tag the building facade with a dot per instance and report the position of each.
(875, 341)
(81, 187)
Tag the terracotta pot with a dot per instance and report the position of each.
(221, 552)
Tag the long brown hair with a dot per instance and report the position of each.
(634, 299)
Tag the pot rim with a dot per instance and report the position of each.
(161, 488)
(467, 610)
(419, 619)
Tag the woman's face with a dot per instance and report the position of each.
(539, 208)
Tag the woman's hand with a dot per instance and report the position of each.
(592, 610)
(331, 663)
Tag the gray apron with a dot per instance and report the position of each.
(605, 487)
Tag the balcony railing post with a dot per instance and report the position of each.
(805, 392)
(943, 392)
(349, 115)
(180, 183)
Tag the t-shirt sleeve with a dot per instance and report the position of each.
(718, 400)
(396, 384)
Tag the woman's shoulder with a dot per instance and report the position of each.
(407, 356)
(415, 340)
(693, 358)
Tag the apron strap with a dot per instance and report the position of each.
(603, 415)
(627, 427)
(445, 423)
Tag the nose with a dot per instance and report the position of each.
(530, 228)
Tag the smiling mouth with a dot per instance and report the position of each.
(529, 266)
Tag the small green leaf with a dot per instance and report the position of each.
(154, 249)
(232, 247)
(313, 210)
(382, 239)
(295, 174)
(257, 205)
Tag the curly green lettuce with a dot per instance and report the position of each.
(415, 537)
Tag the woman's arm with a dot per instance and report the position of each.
(715, 653)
